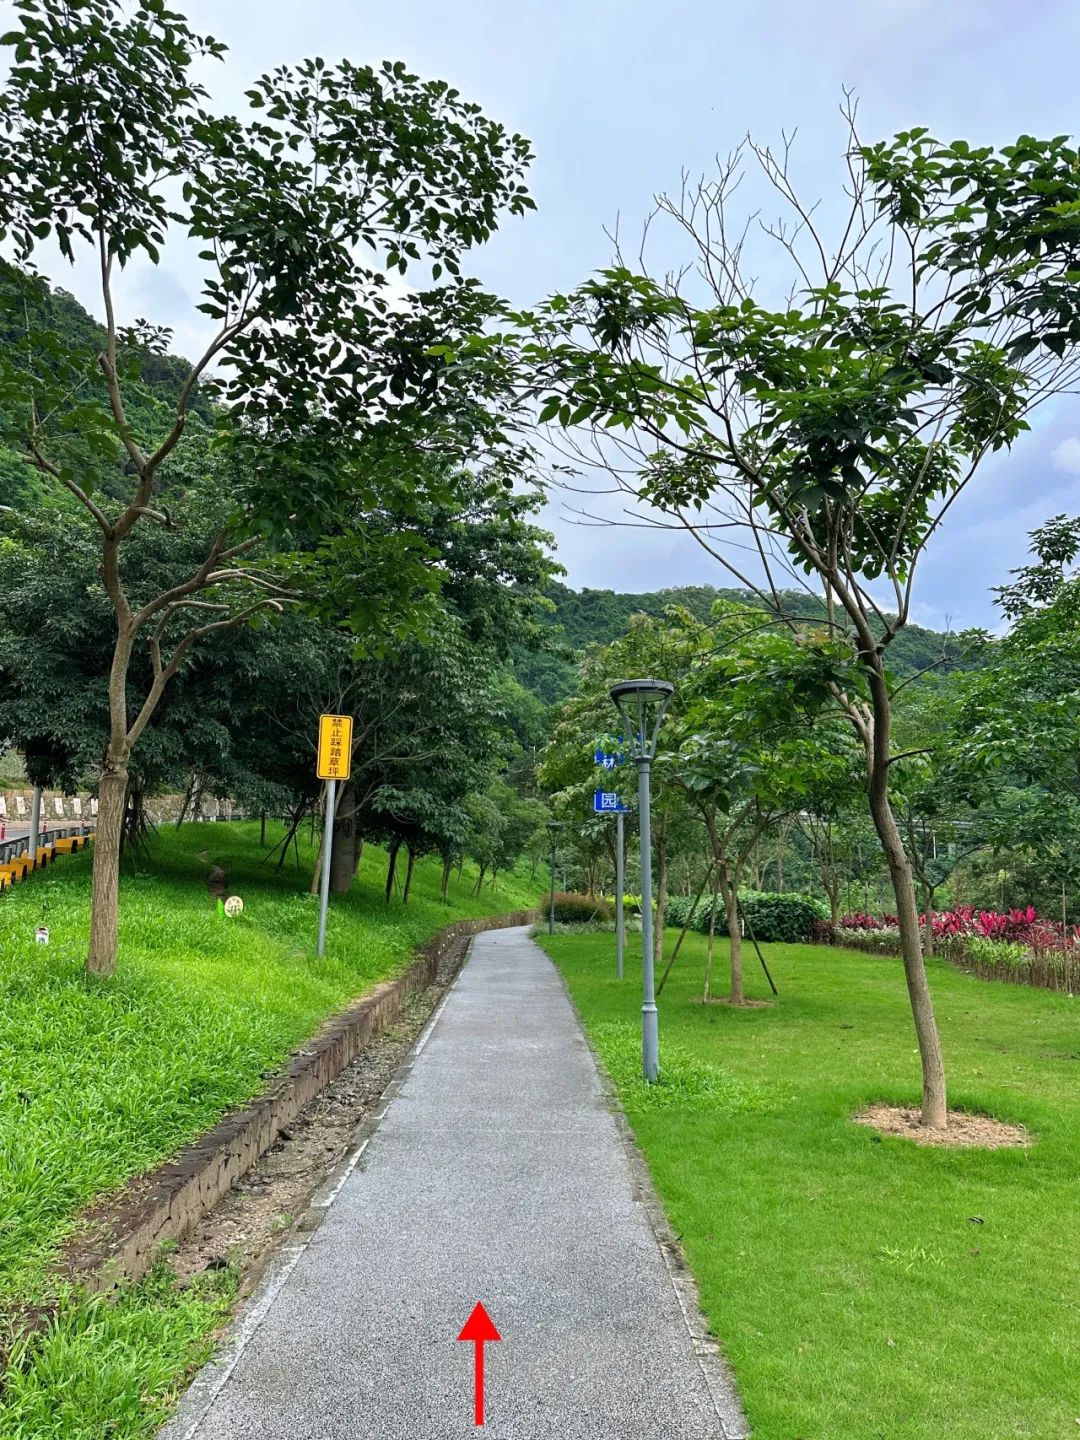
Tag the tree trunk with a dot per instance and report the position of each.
(480, 879)
(105, 892)
(262, 827)
(934, 1105)
(928, 922)
(660, 842)
(833, 892)
(188, 797)
(343, 854)
(408, 876)
(444, 886)
(709, 946)
(731, 905)
(391, 869)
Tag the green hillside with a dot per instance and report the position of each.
(38, 325)
(581, 618)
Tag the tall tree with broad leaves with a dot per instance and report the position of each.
(1014, 750)
(107, 144)
(820, 433)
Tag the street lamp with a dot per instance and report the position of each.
(641, 705)
(554, 826)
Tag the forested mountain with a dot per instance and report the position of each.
(581, 618)
(62, 341)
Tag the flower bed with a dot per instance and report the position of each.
(1015, 945)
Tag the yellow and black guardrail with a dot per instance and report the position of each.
(16, 862)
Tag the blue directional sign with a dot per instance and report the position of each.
(607, 802)
(608, 762)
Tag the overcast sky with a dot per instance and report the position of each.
(618, 98)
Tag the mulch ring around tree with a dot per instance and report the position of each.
(964, 1130)
(742, 1005)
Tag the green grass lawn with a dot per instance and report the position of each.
(862, 1287)
(102, 1080)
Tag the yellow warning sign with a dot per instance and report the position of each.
(335, 747)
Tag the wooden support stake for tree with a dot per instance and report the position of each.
(757, 947)
(682, 932)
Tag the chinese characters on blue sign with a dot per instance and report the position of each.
(608, 802)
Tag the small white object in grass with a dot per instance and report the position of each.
(41, 934)
(233, 905)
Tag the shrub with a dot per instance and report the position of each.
(631, 925)
(768, 914)
(571, 909)
(881, 940)
(996, 952)
(679, 908)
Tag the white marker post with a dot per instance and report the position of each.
(334, 764)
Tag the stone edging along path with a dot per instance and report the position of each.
(119, 1237)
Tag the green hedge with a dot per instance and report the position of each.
(771, 916)
(571, 909)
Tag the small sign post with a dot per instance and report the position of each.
(334, 764)
(607, 802)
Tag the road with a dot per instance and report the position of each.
(498, 1173)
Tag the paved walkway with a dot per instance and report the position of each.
(498, 1174)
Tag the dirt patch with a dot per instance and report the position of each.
(971, 1131)
(248, 1223)
(744, 1005)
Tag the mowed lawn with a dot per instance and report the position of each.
(863, 1288)
(102, 1080)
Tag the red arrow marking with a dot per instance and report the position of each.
(479, 1329)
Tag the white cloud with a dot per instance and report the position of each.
(1066, 456)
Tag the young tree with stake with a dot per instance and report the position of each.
(828, 433)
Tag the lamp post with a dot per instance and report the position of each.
(554, 826)
(641, 705)
(620, 885)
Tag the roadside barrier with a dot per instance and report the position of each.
(16, 862)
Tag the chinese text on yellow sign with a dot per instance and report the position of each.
(335, 747)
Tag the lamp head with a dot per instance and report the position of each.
(641, 704)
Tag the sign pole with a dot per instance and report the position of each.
(551, 912)
(327, 847)
(650, 1025)
(620, 933)
(35, 823)
(334, 763)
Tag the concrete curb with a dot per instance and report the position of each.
(119, 1238)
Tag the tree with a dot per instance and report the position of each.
(667, 648)
(831, 431)
(1014, 750)
(754, 748)
(105, 143)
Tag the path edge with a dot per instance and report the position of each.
(120, 1237)
(213, 1375)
